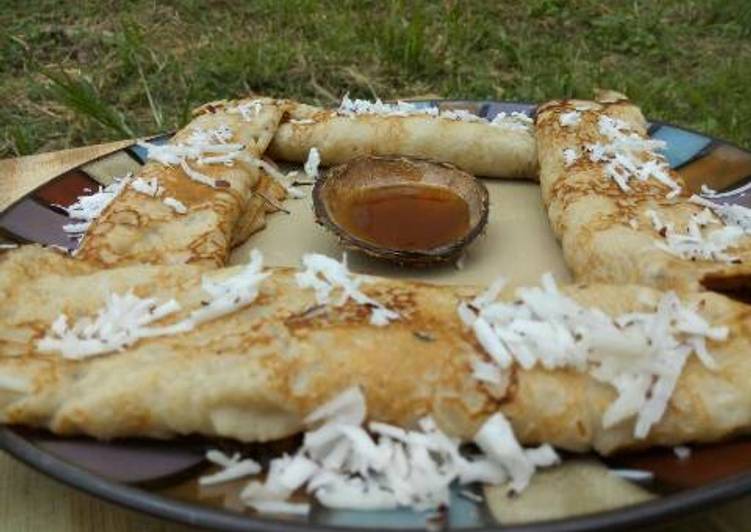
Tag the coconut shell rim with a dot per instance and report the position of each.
(441, 254)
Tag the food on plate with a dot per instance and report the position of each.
(265, 199)
(622, 215)
(121, 352)
(196, 197)
(503, 146)
(404, 210)
(146, 333)
(345, 463)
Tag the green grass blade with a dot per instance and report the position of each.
(80, 96)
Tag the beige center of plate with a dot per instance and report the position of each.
(517, 243)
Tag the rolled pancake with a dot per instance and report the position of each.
(608, 235)
(253, 375)
(136, 228)
(476, 147)
(266, 197)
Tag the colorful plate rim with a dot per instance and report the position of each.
(660, 509)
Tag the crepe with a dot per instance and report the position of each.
(139, 228)
(265, 199)
(253, 375)
(611, 235)
(474, 146)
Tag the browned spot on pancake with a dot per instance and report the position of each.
(397, 299)
(567, 191)
(513, 386)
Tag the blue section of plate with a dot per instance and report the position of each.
(682, 145)
(424, 104)
(140, 153)
(463, 514)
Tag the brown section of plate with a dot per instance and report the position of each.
(705, 464)
(723, 167)
(65, 189)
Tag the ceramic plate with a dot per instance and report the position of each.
(160, 478)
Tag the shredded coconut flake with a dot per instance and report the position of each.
(496, 439)
(349, 107)
(352, 108)
(471, 496)
(325, 275)
(148, 187)
(201, 147)
(176, 205)
(570, 156)
(627, 155)
(343, 465)
(125, 318)
(311, 164)
(248, 110)
(348, 407)
(512, 121)
(682, 452)
(486, 372)
(197, 176)
(731, 215)
(461, 115)
(207, 147)
(636, 475)
(231, 293)
(59, 249)
(86, 209)
(570, 119)
(693, 244)
(641, 355)
(233, 468)
(122, 322)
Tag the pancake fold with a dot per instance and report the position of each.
(195, 198)
(503, 147)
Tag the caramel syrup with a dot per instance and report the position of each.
(405, 217)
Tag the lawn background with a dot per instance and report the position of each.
(76, 73)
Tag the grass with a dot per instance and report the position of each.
(77, 73)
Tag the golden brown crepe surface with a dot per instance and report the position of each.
(594, 218)
(255, 374)
(138, 229)
(475, 147)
